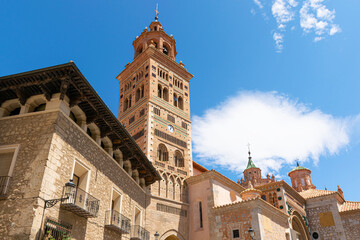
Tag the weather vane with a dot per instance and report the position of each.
(157, 13)
(248, 145)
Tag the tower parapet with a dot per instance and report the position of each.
(301, 178)
(157, 37)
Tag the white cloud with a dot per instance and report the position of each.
(317, 39)
(258, 3)
(312, 15)
(279, 40)
(279, 130)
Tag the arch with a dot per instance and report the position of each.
(175, 100)
(130, 98)
(118, 156)
(171, 187)
(36, 103)
(162, 153)
(139, 50)
(179, 159)
(298, 224)
(137, 94)
(171, 234)
(93, 131)
(126, 104)
(184, 192)
(163, 185)
(11, 107)
(159, 91)
(178, 188)
(166, 94)
(107, 145)
(142, 91)
(77, 115)
(166, 48)
(181, 103)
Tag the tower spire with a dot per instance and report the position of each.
(156, 13)
(250, 162)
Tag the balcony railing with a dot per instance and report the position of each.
(139, 233)
(116, 221)
(4, 185)
(81, 203)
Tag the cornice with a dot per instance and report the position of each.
(156, 55)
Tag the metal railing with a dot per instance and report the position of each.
(81, 202)
(139, 233)
(117, 221)
(4, 185)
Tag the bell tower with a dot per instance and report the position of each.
(154, 106)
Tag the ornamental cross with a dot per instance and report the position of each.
(156, 12)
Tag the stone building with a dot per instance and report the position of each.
(133, 177)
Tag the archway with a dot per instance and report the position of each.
(298, 225)
(172, 235)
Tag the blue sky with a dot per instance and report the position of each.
(229, 47)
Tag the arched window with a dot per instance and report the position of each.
(130, 97)
(159, 91)
(11, 107)
(163, 154)
(166, 94)
(165, 50)
(40, 107)
(179, 159)
(126, 104)
(137, 94)
(142, 91)
(181, 103)
(263, 197)
(181, 86)
(175, 100)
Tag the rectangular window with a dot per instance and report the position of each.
(7, 164)
(131, 120)
(171, 118)
(236, 233)
(153, 67)
(157, 111)
(200, 215)
(184, 125)
(142, 112)
(138, 135)
(153, 74)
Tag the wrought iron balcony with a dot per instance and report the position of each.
(81, 203)
(117, 222)
(139, 233)
(4, 185)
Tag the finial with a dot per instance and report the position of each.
(156, 12)
(249, 152)
(297, 163)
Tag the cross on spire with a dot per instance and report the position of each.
(249, 152)
(156, 12)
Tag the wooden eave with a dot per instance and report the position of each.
(67, 79)
(155, 54)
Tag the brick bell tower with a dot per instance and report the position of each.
(154, 107)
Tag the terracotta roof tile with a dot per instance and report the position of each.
(313, 193)
(349, 206)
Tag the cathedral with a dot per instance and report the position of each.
(70, 169)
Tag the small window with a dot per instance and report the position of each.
(157, 111)
(146, 75)
(16, 111)
(171, 118)
(147, 67)
(131, 120)
(200, 215)
(142, 112)
(236, 233)
(153, 67)
(40, 108)
(153, 74)
(184, 125)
